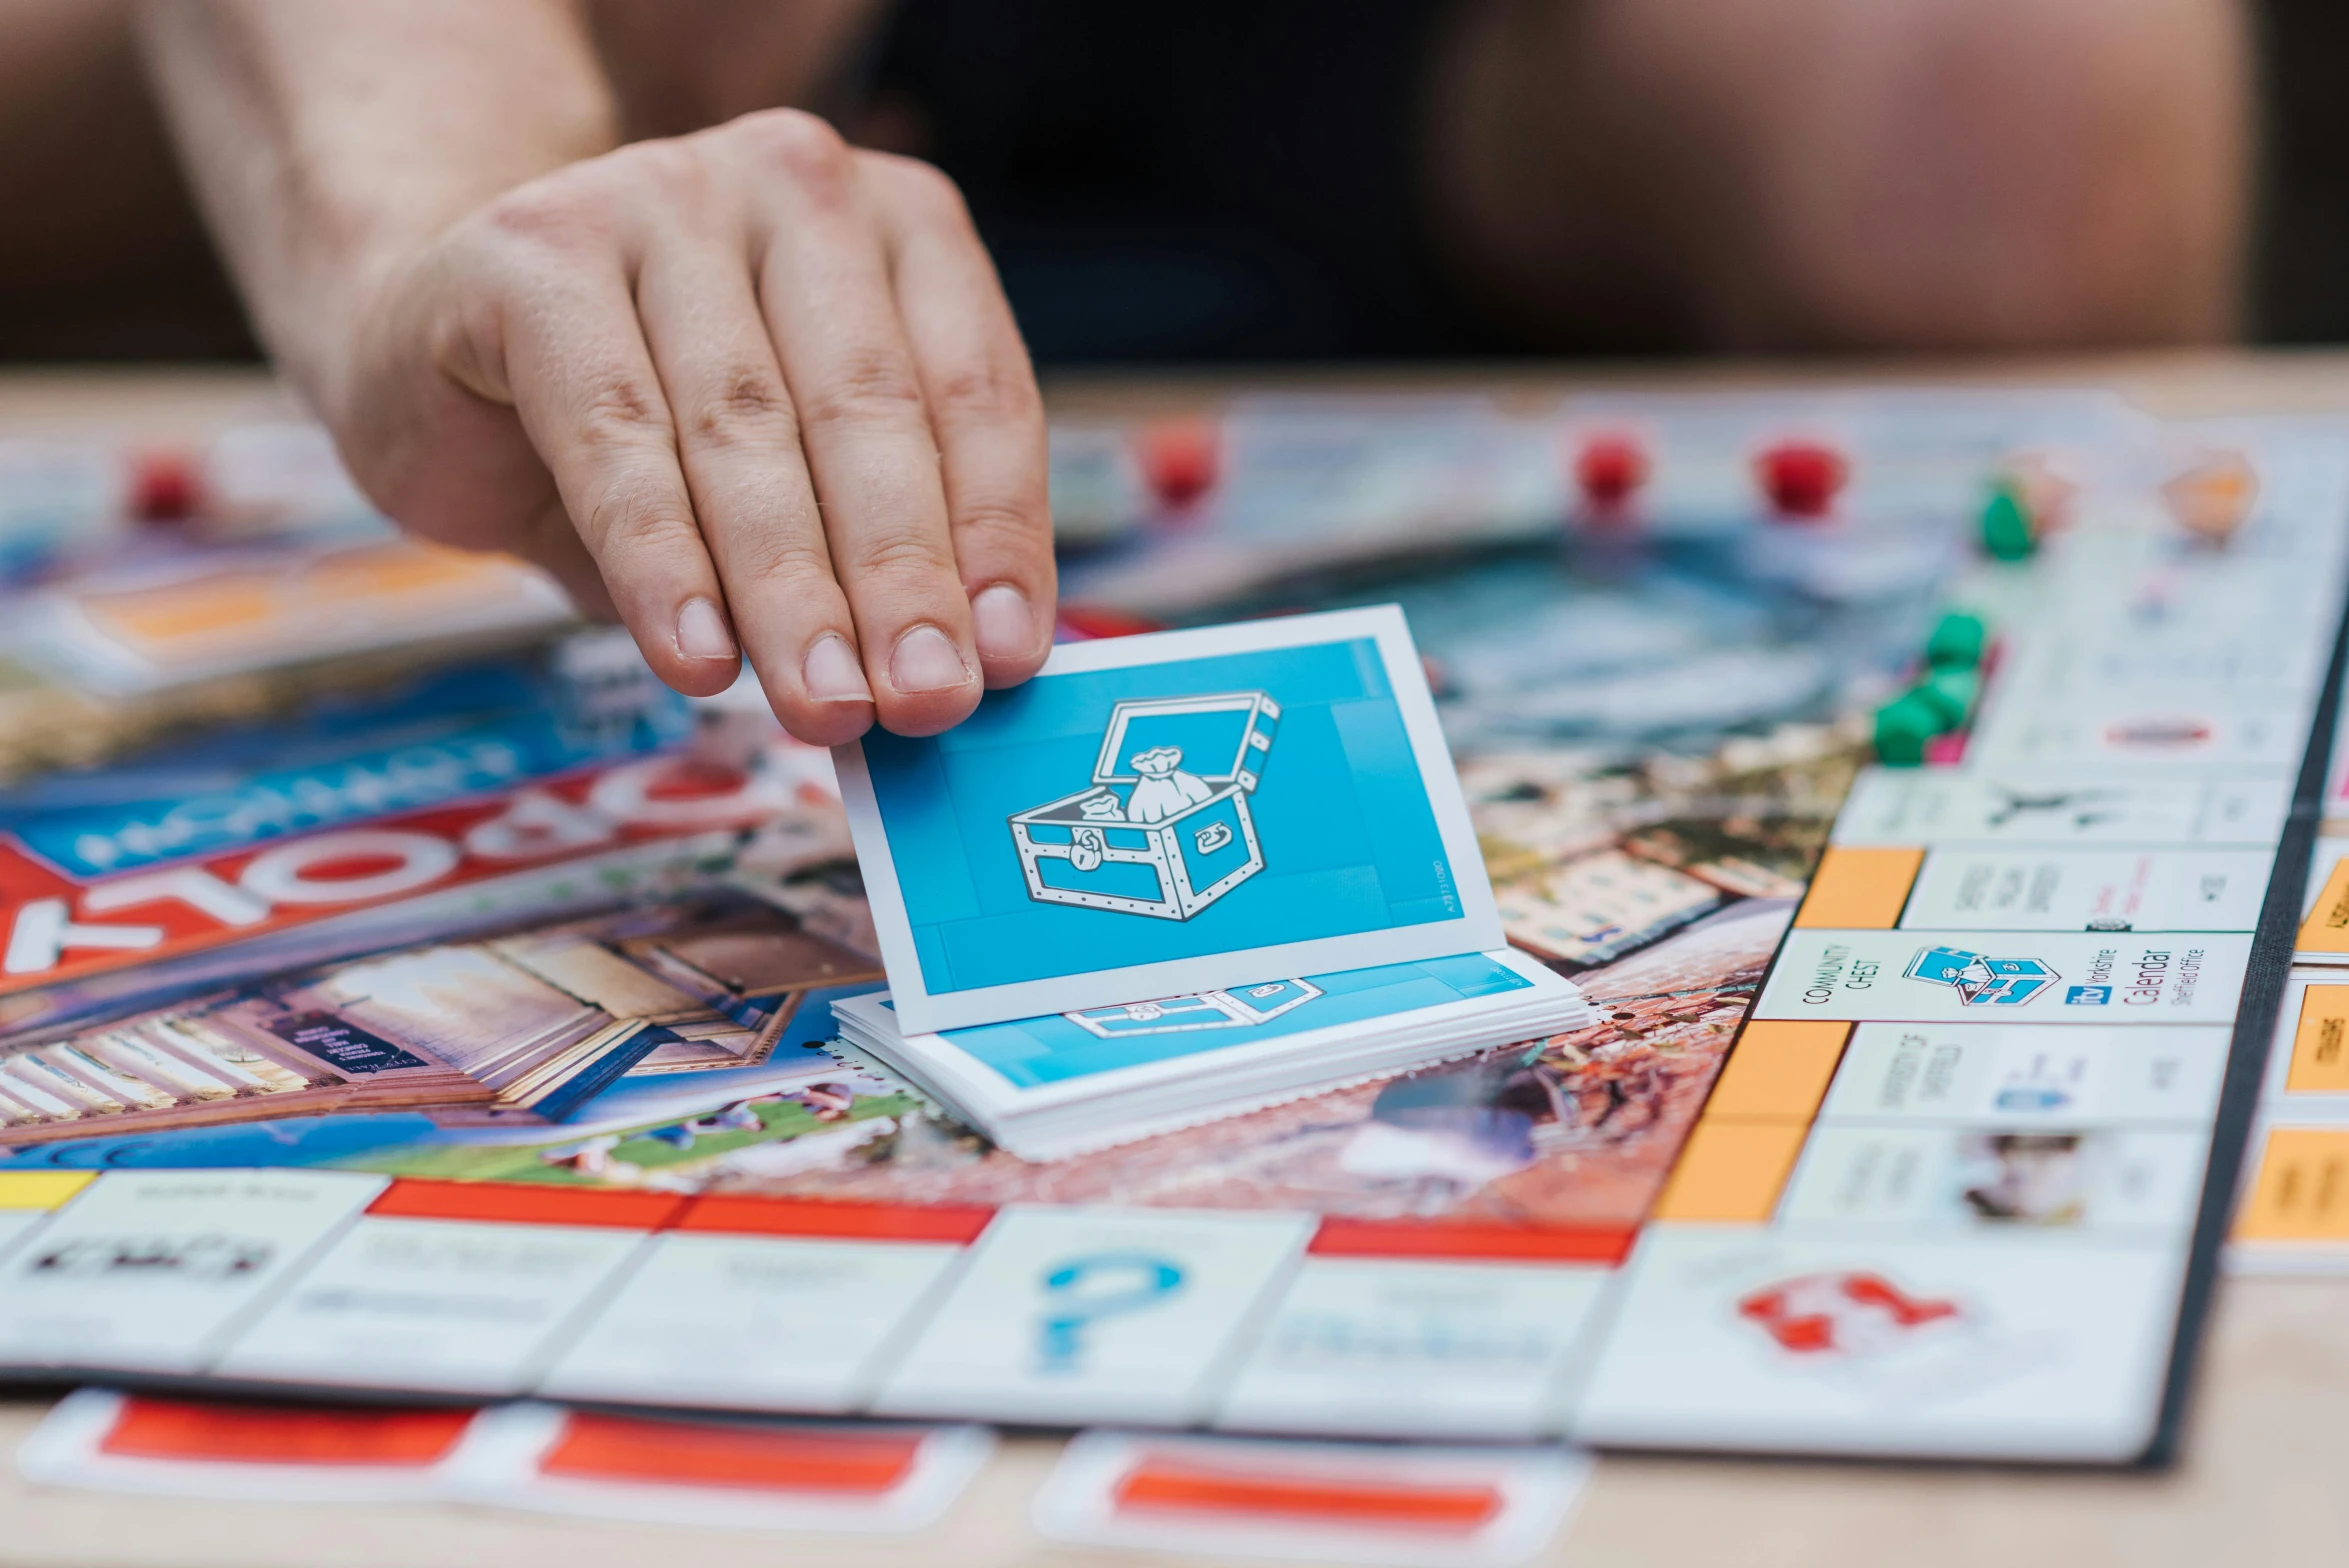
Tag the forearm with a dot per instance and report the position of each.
(328, 138)
(751, 389)
(1853, 174)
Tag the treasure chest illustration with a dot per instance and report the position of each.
(1163, 829)
(1234, 1009)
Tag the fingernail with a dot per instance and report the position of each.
(1006, 627)
(926, 659)
(830, 672)
(702, 633)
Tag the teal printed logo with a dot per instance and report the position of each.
(1980, 980)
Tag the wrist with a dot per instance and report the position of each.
(332, 142)
(358, 276)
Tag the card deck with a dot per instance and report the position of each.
(1168, 814)
(1048, 1087)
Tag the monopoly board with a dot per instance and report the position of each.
(1918, 785)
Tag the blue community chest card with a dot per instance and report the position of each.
(1173, 813)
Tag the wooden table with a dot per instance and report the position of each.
(2260, 1483)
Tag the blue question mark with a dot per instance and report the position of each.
(1139, 1279)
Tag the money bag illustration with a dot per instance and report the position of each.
(1164, 789)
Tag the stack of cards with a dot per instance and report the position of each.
(1257, 827)
(1046, 1088)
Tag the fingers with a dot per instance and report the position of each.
(825, 288)
(738, 442)
(583, 383)
(779, 393)
(984, 409)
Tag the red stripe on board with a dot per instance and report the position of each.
(193, 1430)
(522, 1203)
(1163, 1484)
(959, 1224)
(695, 1453)
(1608, 1244)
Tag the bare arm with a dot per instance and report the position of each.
(1852, 174)
(750, 388)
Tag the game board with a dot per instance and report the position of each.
(2294, 1217)
(1910, 1128)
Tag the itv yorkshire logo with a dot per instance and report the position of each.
(1980, 980)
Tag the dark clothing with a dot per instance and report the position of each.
(1234, 180)
(1226, 179)
(1243, 179)
(2300, 288)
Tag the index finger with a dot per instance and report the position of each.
(584, 386)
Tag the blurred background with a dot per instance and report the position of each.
(1400, 178)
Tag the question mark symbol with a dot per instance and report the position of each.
(1129, 1281)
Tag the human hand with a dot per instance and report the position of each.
(746, 389)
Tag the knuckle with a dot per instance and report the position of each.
(641, 519)
(801, 146)
(989, 392)
(775, 559)
(748, 406)
(559, 212)
(671, 168)
(930, 190)
(1001, 526)
(902, 555)
(621, 412)
(870, 385)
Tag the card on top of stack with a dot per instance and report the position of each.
(1181, 874)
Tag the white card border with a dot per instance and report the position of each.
(1476, 929)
